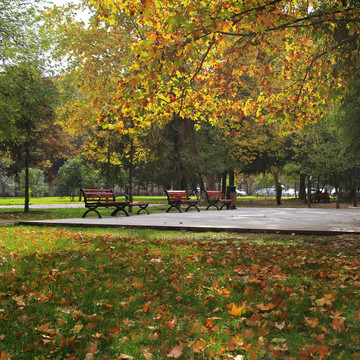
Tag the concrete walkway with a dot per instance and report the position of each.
(276, 220)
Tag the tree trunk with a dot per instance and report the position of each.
(131, 176)
(355, 188)
(309, 193)
(27, 180)
(231, 177)
(276, 180)
(302, 192)
(223, 182)
(210, 182)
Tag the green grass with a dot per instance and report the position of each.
(67, 200)
(97, 294)
(42, 200)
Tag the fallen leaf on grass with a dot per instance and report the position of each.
(146, 307)
(198, 346)
(125, 357)
(237, 310)
(176, 351)
(171, 324)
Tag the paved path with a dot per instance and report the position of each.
(283, 220)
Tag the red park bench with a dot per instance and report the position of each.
(97, 198)
(176, 198)
(216, 198)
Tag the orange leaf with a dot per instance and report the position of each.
(237, 310)
(199, 346)
(176, 351)
(146, 307)
(313, 322)
(171, 324)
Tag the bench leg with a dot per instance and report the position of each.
(186, 210)
(212, 205)
(143, 208)
(174, 206)
(228, 206)
(87, 211)
(120, 209)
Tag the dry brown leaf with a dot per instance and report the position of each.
(176, 351)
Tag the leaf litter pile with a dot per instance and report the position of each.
(72, 295)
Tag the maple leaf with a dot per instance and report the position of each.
(198, 346)
(176, 351)
(312, 322)
(171, 324)
(237, 310)
(146, 307)
(338, 324)
(125, 357)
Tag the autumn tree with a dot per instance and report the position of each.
(29, 101)
(220, 37)
(100, 56)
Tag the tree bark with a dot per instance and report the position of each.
(27, 180)
(309, 193)
(131, 174)
(223, 182)
(302, 192)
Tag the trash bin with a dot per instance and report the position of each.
(231, 194)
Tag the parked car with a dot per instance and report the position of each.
(271, 191)
(241, 192)
(291, 192)
(265, 192)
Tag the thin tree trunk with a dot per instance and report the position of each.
(27, 180)
(302, 192)
(131, 176)
(223, 182)
(309, 193)
(355, 187)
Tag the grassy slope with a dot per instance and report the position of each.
(104, 294)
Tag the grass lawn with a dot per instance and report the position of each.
(67, 200)
(145, 294)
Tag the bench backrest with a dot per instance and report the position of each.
(213, 195)
(177, 195)
(96, 195)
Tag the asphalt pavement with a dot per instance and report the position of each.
(242, 219)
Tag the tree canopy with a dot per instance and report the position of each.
(21, 35)
(210, 60)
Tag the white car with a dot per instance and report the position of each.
(241, 192)
(266, 192)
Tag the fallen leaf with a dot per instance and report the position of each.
(198, 346)
(125, 357)
(237, 310)
(176, 351)
(146, 307)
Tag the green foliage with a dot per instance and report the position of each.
(74, 175)
(21, 36)
(321, 151)
(28, 135)
(264, 181)
(37, 182)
